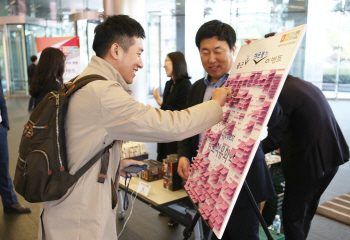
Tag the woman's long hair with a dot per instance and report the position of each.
(179, 66)
(48, 74)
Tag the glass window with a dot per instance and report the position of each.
(162, 40)
(323, 57)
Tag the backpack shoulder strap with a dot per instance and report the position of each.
(73, 85)
(104, 154)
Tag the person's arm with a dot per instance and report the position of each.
(275, 135)
(181, 98)
(276, 116)
(125, 118)
(156, 96)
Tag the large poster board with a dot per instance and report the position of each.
(228, 148)
(70, 47)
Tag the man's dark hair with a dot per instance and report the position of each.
(116, 29)
(33, 58)
(179, 66)
(216, 28)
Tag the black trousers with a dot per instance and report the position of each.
(242, 225)
(300, 204)
(8, 196)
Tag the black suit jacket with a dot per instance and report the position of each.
(175, 99)
(30, 70)
(3, 108)
(258, 177)
(308, 135)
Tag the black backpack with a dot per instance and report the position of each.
(41, 172)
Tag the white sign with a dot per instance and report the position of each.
(143, 188)
(228, 148)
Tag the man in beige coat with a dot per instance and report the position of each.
(103, 112)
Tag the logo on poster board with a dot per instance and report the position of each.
(290, 36)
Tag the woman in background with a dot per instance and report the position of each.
(175, 94)
(48, 74)
(174, 98)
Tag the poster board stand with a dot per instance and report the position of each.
(227, 149)
(189, 230)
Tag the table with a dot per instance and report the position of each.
(157, 195)
(174, 204)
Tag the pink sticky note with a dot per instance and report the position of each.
(220, 167)
(248, 129)
(250, 142)
(219, 200)
(214, 195)
(210, 208)
(216, 191)
(251, 123)
(224, 205)
(207, 185)
(222, 212)
(232, 165)
(235, 160)
(223, 177)
(218, 185)
(241, 164)
(232, 152)
(241, 145)
(212, 201)
(225, 185)
(214, 213)
(204, 206)
(211, 219)
(227, 196)
(219, 219)
(211, 224)
(238, 170)
(217, 226)
(215, 177)
(247, 148)
(233, 185)
(202, 198)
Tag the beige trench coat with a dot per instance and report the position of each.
(99, 113)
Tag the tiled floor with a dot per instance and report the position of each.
(145, 224)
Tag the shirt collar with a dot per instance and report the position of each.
(207, 79)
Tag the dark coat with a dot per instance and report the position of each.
(174, 98)
(3, 108)
(308, 135)
(258, 177)
(30, 71)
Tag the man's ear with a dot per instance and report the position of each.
(114, 50)
(234, 49)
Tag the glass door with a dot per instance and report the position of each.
(17, 59)
(3, 79)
